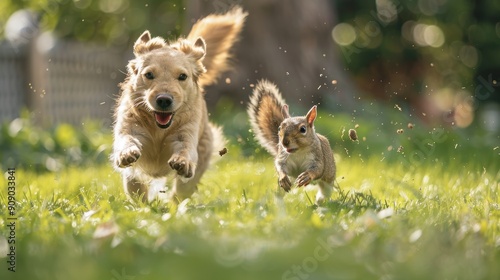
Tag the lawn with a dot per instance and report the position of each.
(427, 210)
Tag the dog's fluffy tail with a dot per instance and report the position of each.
(220, 32)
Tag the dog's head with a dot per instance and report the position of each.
(165, 76)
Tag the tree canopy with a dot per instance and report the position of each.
(115, 22)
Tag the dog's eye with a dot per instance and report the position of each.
(303, 129)
(182, 77)
(149, 75)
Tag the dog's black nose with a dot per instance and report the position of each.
(164, 101)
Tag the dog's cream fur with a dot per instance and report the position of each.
(161, 120)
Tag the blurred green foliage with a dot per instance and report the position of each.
(115, 22)
(26, 145)
(399, 49)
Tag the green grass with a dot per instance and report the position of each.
(391, 217)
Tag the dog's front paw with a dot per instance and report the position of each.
(182, 165)
(285, 183)
(128, 156)
(304, 179)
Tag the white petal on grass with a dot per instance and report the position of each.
(116, 241)
(414, 236)
(166, 217)
(425, 180)
(386, 213)
(476, 227)
(88, 214)
(182, 208)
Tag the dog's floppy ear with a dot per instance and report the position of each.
(146, 44)
(194, 51)
(200, 49)
(198, 53)
(139, 45)
(144, 38)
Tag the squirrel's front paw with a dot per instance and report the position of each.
(128, 156)
(285, 183)
(304, 179)
(182, 165)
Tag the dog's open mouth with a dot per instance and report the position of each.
(163, 119)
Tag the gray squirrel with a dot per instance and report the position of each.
(298, 150)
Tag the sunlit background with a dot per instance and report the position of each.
(435, 63)
(62, 59)
(416, 197)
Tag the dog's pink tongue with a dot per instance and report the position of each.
(163, 118)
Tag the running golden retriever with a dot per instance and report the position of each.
(161, 121)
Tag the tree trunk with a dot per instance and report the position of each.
(286, 42)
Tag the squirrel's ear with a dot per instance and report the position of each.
(311, 115)
(284, 111)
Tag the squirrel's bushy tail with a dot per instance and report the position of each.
(220, 32)
(219, 142)
(265, 112)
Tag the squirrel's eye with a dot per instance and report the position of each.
(279, 128)
(182, 77)
(149, 75)
(303, 129)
